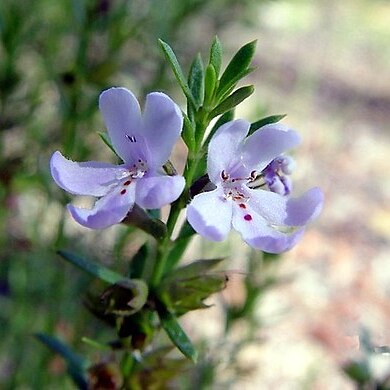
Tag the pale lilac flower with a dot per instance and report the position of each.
(143, 142)
(266, 219)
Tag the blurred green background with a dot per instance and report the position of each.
(324, 63)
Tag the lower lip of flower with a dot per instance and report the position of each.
(248, 217)
(234, 189)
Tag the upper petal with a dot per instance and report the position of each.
(109, 210)
(257, 232)
(223, 153)
(122, 115)
(210, 214)
(157, 191)
(267, 143)
(85, 178)
(162, 124)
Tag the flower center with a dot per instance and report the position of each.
(235, 188)
(136, 171)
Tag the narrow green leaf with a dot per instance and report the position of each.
(216, 55)
(233, 100)
(193, 269)
(210, 84)
(76, 365)
(176, 68)
(106, 139)
(239, 64)
(92, 268)
(196, 80)
(138, 262)
(96, 344)
(175, 332)
(265, 121)
(228, 87)
(188, 133)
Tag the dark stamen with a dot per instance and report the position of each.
(224, 175)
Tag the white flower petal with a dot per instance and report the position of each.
(157, 191)
(223, 153)
(122, 116)
(162, 124)
(267, 143)
(109, 210)
(257, 232)
(86, 178)
(210, 214)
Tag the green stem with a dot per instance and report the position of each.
(127, 365)
(165, 245)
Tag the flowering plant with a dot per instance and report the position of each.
(236, 175)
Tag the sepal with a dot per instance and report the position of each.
(157, 370)
(202, 184)
(141, 219)
(104, 375)
(187, 287)
(125, 297)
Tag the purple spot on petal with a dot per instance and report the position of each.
(248, 217)
(123, 192)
